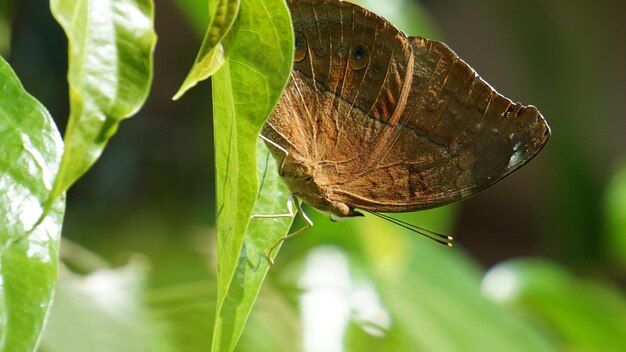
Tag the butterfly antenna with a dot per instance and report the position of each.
(446, 240)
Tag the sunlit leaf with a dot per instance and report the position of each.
(212, 52)
(110, 70)
(582, 314)
(245, 91)
(30, 154)
(252, 264)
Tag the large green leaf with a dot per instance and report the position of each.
(252, 264)
(30, 154)
(212, 52)
(110, 69)
(245, 91)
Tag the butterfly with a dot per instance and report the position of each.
(378, 121)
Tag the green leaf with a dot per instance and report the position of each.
(252, 265)
(245, 91)
(615, 214)
(30, 154)
(212, 52)
(104, 312)
(110, 70)
(584, 315)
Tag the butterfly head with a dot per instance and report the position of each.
(310, 185)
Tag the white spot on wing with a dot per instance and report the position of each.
(517, 156)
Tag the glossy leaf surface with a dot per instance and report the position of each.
(30, 154)
(110, 70)
(212, 52)
(245, 91)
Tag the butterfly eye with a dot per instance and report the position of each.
(300, 47)
(359, 57)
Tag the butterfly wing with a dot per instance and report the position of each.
(456, 137)
(388, 123)
(351, 73)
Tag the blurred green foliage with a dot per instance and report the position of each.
(615, 217)
(6, 14)
(586, 315)
(361, 284)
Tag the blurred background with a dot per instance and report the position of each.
(539, 261)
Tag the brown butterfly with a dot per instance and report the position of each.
(375, 120)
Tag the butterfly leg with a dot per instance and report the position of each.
(277, 146)
(290, 214)
(309, 224)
